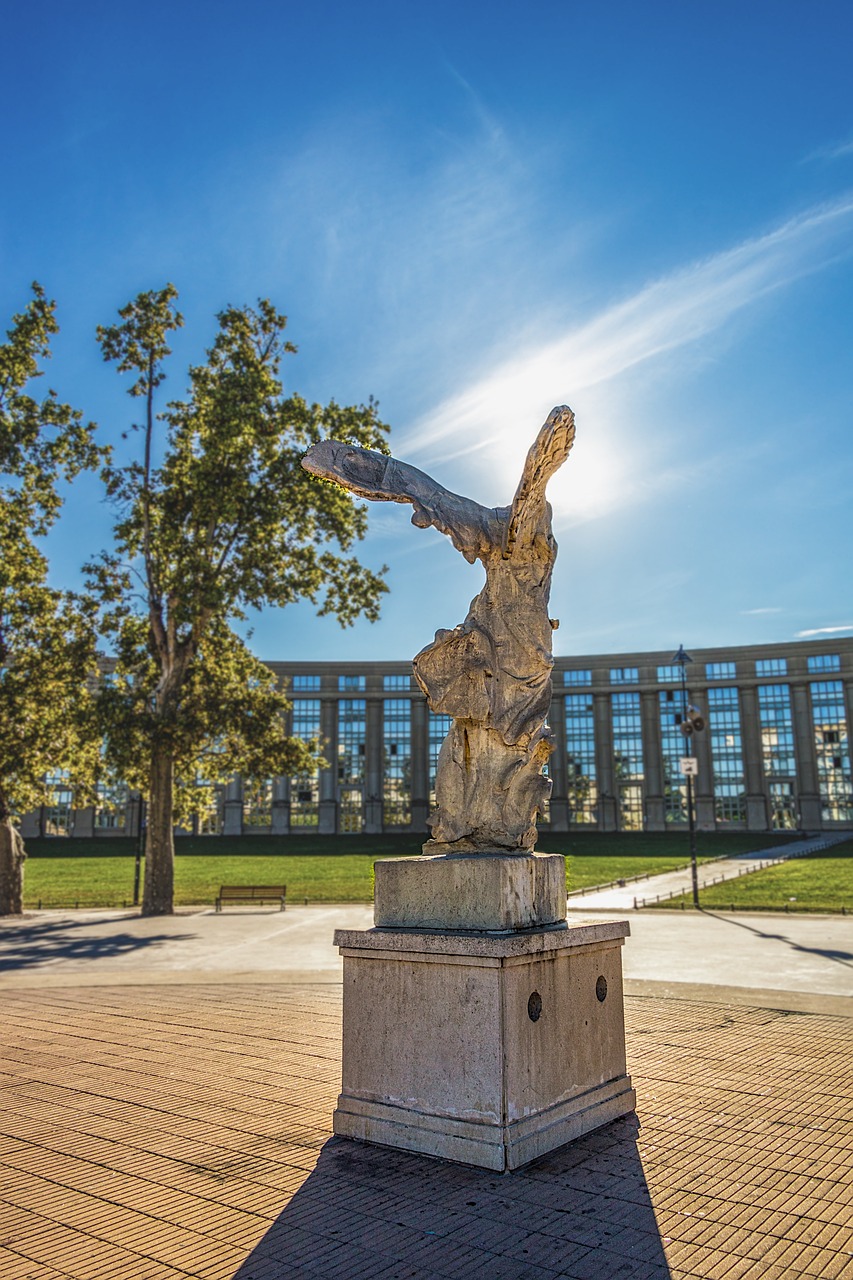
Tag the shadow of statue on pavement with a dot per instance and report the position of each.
(582, 1211)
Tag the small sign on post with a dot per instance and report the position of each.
(689, 766)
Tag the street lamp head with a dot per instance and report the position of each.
(681, 658)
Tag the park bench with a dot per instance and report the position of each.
(252, 893)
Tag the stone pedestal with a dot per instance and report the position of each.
(495, 892)
(485, 1046)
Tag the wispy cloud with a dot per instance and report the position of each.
(832, 151)
(823, 631)
(750, 613)
(665, 315)
(490, 124)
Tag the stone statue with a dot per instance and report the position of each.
(492, 673)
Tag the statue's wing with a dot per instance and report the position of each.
(547, 454)
(471, 527)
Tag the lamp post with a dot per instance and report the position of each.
(140, 849)
(688, 724)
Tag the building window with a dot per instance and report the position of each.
(111, 807)
(577, 677)
(720, 671)
(58, 807)
(624, 675)
(673, 748)
(352, 713)
(305, 684)
(397, 757)
(439, 728)
(783, 807)
(628, 759)
(580, 759)
(669, 675)
(400, 683)
(727, 753)
(766, 667)
(819, 663)
(351, 811)
(305, 787)
(351, 741)
(257, 802)
(832, 748)
(351, 684)
(777, 731)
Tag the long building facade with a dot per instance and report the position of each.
(774, 753)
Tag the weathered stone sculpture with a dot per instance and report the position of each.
(477, 1024)
(492, 673)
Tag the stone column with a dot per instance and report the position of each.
(232, 816)
(420, 763)
(655, 807)
(373, 771)
(280, 807)
(811, 816)
(32, 824)
(83, 822)
(757, 809)
(328, 817)
(559, 806)
(608, 803)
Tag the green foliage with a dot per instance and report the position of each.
(226, 522)
(47, 641)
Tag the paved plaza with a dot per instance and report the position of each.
(167, 1087)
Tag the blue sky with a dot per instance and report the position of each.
(475, 212)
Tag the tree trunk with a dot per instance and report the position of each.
(12, 857)
(157, 898)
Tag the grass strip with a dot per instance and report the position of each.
(108, 881)
(821, 882)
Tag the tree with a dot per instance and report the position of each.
(47, 641)
(226, 522)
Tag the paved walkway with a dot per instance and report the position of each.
(778, 957)
(672, 883)
(183, 1133)
(167, 1087)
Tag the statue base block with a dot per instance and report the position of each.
(485, 1050)
(495, 892)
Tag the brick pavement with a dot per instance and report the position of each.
(159, 1133)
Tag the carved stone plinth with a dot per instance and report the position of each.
(488, 1050)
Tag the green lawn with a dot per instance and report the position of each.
(822, 882)
(317, 868)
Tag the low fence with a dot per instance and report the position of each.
(645, 875)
